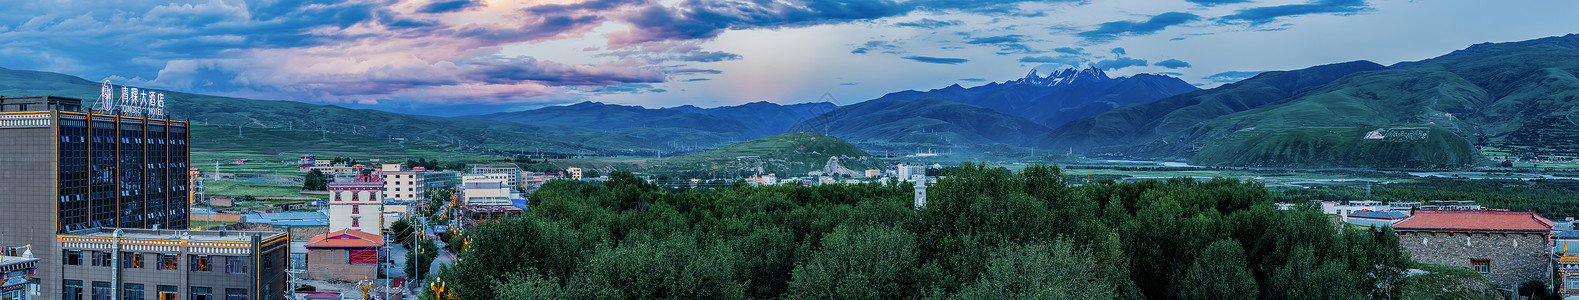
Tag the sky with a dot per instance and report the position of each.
(461, 57)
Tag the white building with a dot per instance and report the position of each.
(908, 172)
(502, 171)
(487, 191)
(403, 185)
(357, 205)
(1344, 210)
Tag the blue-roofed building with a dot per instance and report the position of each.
(1375, 218)
(290, 218)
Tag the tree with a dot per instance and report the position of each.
(1040, 271)
(1218, 273)
(867, 262)
(315, 181)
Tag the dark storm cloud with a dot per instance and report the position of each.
(1263, 15)
(1112, 30)
(937, 60)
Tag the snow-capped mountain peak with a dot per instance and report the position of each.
(1063, 77)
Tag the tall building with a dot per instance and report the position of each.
(64, 168)
(357, 205)
(404, 186)
(171, 264)
(508, 172)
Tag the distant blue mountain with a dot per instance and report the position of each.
(1059, 97)
(741, 122)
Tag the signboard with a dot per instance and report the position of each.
(131, 101)
(440, 229)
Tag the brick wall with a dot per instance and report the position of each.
(332, 265)
(1514, 257)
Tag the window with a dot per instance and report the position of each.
(202, 293)
(1480, 265)
(199, 262)
(103, 259)
(356, 222)
(362, 257)
(101, 290)
(235, 294)
(132, 260)
(268, 261)
(74, 257)
(133, 292)
(168, 292)
(72, 290)
(167, 262)
(356, 209)
(236, 264)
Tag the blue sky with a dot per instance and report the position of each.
(454, 57)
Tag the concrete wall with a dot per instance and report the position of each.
(1515, 257)
(332, 264)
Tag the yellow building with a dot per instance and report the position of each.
(575, 173)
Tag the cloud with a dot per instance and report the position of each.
(1120, 63)
(448, 6)
(1112, 30)
(694, 71)
(1119, 51)
(850, 83)
(1215, 2)
(1070, 60)
(972, 79)
(937, 60)
(557, 74)
(929, 23)
(1067, 50)
(1263, 15)
(706, 56)
(883, 46)
(1172, 64)
(1231, 76)
(1007, 44)
(697, 79)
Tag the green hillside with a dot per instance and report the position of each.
(1408, 147)
(897, 125)
(1518, 97)
(790, 154)
(1160, 122)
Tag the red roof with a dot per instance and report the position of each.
(1475, 220)
(346, 238)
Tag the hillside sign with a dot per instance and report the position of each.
(132, 100)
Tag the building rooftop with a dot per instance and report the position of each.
(165, 234)
(346, 238)
(10, 260)
(1567, 234)
(1378, 214)
(287, 216)
(1475, 220)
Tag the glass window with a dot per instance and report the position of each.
(202, 293)
(71, 290)
(356, 209)
(132, 260)
(168, 292)
(355, 222)
(168, 262)
(101, 290)
(134, 291)
(235, 294)
(199, 262)
(74, 257)
(102, 259)
(236, 264)
(1481, 265)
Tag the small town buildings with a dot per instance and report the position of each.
(874, 173)
(17, 280)
(435, 180)
(1379, 219)
(357, 205)
(486, 191)
(345, 255)
(1508, 247)
(311, 218)
(403, 185)
(575, 173)
(171, 264)
(508, 172)
(1565, 253)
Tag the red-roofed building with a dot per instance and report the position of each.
(1508, 247)
(345, 255)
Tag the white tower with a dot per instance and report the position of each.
(921, 193)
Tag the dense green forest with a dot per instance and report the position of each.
(1553, 199)
(984, 233)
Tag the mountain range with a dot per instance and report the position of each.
(1059, 97)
